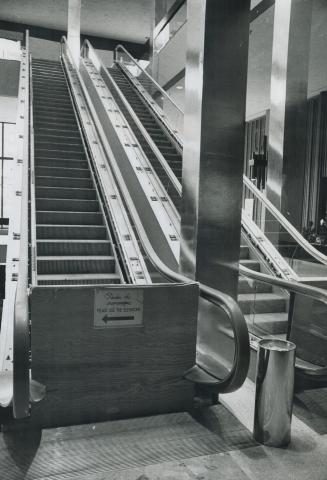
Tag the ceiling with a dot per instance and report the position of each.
(128, 20)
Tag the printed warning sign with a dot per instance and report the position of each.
(118, 307)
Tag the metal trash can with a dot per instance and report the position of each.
(274, 392)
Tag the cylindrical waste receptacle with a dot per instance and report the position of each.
(274, 392)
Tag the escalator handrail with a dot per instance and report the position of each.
(21, 374)
(292, 286)
(310, 291)
(163, 162)
(239, 370)
(320, 257)
(162, 91)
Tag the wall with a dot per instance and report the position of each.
(9, 75)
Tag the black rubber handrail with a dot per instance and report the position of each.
(239, 369)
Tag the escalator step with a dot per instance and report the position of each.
(53, 217)
(73, 247)
(65, 193)
(62, 204)
(79, 279)
(96, 232)
(62, 172)
(63, 182)
(76, 264)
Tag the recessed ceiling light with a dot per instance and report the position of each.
(179, 87)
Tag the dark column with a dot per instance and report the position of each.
(288, 106)
(215, 85)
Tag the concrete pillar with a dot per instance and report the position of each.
(74, 28)
(288, 106)
(215, 88)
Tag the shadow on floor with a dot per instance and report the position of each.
(311, 407)
(120, 445)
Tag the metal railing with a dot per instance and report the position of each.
(15, 339)
(3, 157)
(287, 240)
(165, 108)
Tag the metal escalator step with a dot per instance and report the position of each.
(65, 193)
(44, 77)
(268, 323)
(248, 286)
(42, 181)
(79, 279)
(41, 87)
(244, 252)
(53, 217)
(62, 171)
(53, 232)
(51, 122)
(57, 135)
(73, 247)
(62, 163)
(261, 303)
(251, 264)
(59, 107)
(46, 152)
(76, 264)
(64, 204)
(47, 112)
(50, 96)
(75, 146)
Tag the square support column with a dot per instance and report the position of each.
(215, 87)
(288, 107)
(74, 28)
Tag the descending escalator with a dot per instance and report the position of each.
(154, 129)
(267, 304)
(72, 239)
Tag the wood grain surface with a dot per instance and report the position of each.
(98, 374)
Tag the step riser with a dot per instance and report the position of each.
(69, 218)
(61, 163)
(246, 287)
(63, 182)
(262, 306)
(67, 205)
(65, 147)
(56, 267)
(70, 233)
(71, 249)
(62, 172)
(104, 281)
(45, 192)
(78, 155)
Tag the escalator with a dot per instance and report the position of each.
(275, 260)
(73, 244)
(86, 334)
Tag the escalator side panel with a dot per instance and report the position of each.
(146, 211)
(95, 374)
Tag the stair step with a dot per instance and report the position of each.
(54, 132)
(64, 146)
(71, 204)
(268, 323)
(51, 122)
(44, 152)
(246, 285)
(58, 137)
(251, 264)
(68, 218)
(42, 181)
(73, 247)
(244, 252)
(53, 232)
(261, 303)
(65, 193)
(62, 172)
(79, 279)
(76, 264)
(62, 163)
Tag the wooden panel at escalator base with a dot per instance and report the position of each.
(94, 374)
